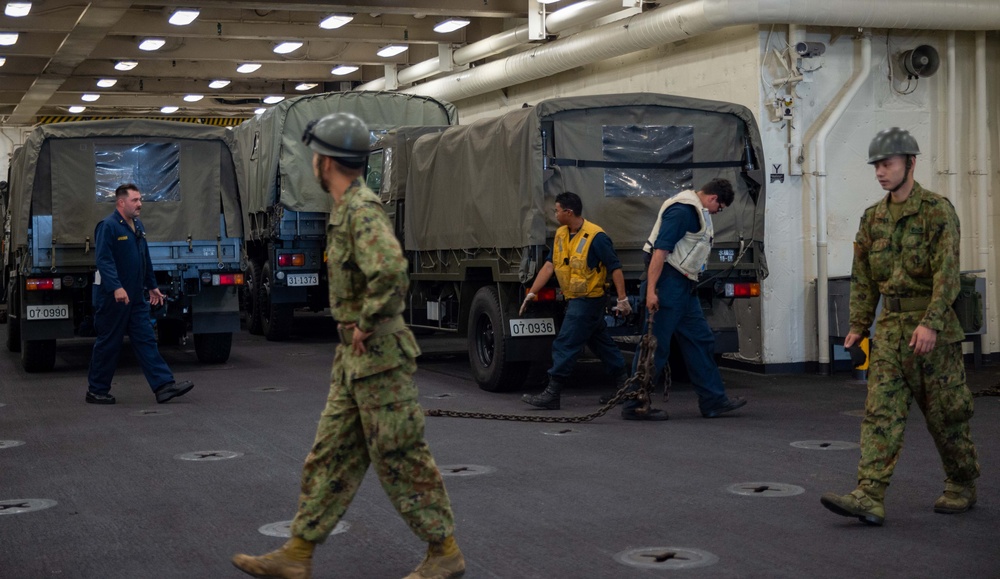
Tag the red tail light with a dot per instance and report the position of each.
(42, 283)
(546, 294)
(227, 279)
(291, 259)
(742, 290)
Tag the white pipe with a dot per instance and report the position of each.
(982, 171)
(951, 131)
(796, 34)
(823, 274)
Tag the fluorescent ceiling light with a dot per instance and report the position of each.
(336, 21)
(392, 50)
(547, 1)
(90, 97)
(107, 82)
(450, 25)
(8, 38)
(3, 61)
(218, 84)
(77, 109)
(300, 86)
(126, 65)
(150, 44)
(183, 16)
(247, 67)
(169, 109)
(17, 9)
(193, 98)
(259, 111)
(343, 69)
(273, 100)
(286, 47)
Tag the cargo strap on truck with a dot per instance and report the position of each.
(643, 377)
(558, 162)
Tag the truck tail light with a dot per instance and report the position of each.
(227, 279)
(291, 259)
(742, 290)
(546, 294)
(42, 283)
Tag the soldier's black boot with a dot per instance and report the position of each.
(548, 399)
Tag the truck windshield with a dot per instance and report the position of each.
(154, 167)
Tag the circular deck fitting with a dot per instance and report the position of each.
(442, 396)
(765, 489)
(151, 412)
(205, 455)
(465, 469)
(858, 413)
(268, 389)
(666, 558)
(561, 432)
(18, 506)
(10, 443)
(284, 529)
(825, 445)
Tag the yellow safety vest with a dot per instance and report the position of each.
(569, 258)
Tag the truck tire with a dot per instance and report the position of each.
(487, 350)
(13, 323)
(251, 279)
(213, 348)
(275, 319)
(38, 355)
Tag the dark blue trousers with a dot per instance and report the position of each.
(112, 320)
(680, 317)
(584, 325)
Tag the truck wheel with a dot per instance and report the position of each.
(38, 355)
(487, 351)
(275, 319)
(251, 300)
(213, 348)
(13, 322)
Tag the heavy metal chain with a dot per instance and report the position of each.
(642, 378)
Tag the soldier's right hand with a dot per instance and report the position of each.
(524, 305)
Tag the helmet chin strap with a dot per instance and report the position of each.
(906, 175)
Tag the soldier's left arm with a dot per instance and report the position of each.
(944, 260)
(379, 256)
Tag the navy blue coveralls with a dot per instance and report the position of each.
(123, 262)
(584, 322)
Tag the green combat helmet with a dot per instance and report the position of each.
(889, 142)
(342, 136)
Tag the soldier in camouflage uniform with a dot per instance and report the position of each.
(371, 415)
(906, 251)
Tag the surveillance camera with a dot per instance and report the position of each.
(810, 49)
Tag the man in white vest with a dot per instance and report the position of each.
(677, 250)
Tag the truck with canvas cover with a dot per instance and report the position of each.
(62, 183)
(473, 207)
(286, 209)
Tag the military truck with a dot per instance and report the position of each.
(62, 183)
(286, 211)
(472, 205)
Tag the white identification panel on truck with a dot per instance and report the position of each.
(298, 279)
(532, 327)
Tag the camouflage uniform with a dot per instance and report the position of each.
(912, 258)
(371, 415)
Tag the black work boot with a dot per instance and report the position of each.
(548, 399)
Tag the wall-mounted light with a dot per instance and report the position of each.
(287, 47)
(107, 82)
(89, 97)
(450, 25)
(169, 109)
(306, 86)
(8, 38)
(273, 100)
(126, 64)
(343, 69)
(193, 98)
(17, 9)
(218, 84)
(151, 44)
(392, 50)
(335, 21)
(77, 109)
(183, 16)
(247, 67)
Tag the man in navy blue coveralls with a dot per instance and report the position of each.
(125, 271)
(675, 303)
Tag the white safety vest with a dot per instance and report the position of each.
(691, 252)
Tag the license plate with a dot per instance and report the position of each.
(532, 327)
(727, 255)
(297, 279)
(53, 312)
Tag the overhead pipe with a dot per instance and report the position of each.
(796, 34)
(823, 273)
(982, 170)
(951, 131)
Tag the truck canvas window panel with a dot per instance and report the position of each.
(652, 145)
(154, 167)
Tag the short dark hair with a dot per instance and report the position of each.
(722, 188)
(571, 201)
(122, 190)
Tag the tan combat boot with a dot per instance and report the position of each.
(957, 498)
(292, 561)
(443, 561)
(864, 502)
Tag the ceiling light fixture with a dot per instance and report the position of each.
(17, 9)
(547, 1)
(273, 100)
(343, 69)
(8, 38)
(335, 21)
(169, 109)
(151, 44)
(3, 61)
(450, 25)
(89, 97)
(392, 50)
(193, 98)
(300, 86)
(247, 67)
(77, 109)
(286, 47)
(259, 111)
(183, 16)
(218, 84)
(107, 82)
(126, 64)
